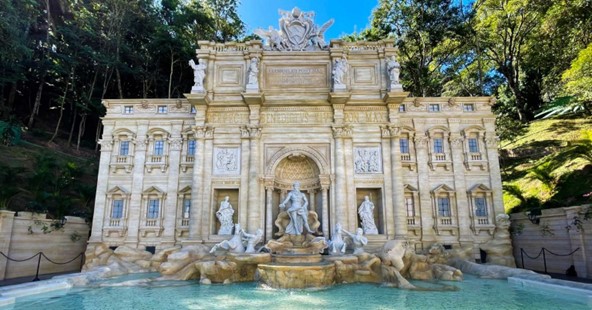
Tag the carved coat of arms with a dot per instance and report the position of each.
(298, 32)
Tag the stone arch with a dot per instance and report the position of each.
(314, 155)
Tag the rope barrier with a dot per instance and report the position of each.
(542, 252)
(41, 254)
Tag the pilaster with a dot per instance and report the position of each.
(170, 207)
(102, 183)
(136, 208)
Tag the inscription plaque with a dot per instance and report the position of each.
(305, 76)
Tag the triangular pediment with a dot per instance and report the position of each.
(153, 190)
(479, 188)
(409, 188)
(185, 190)
(443, 188)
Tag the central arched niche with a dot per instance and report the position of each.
(297, 167)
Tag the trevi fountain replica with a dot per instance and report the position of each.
(299, 163)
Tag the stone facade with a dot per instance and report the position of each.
(429, 165)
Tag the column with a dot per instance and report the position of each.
(491, 144)
(340, 186)
(255, 206)
(242, 207)
(460, 186)
(170, 207)
(425, 199)
(200, 134)
(268, 211)
(397, 182)
(350, 206)
(388, 220)
(135, 208)
(325, 189)
(102, 184)
(206, 196)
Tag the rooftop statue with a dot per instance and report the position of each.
(298, 32)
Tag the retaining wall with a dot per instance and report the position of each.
(557, 233)
(22, 236)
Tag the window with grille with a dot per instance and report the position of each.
(123, 148)
(402, 108)
(191, 147)
(186, 208)
(410, 206)
(158, 147)
(438, 145)
(469, 107)
(153, 209)
(404, 144)
(117, 209)
(473, 145)
(480, 206)
(434, 107)
(162, 109)
(444, 206)
(128, 109)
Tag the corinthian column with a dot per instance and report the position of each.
(254, 205)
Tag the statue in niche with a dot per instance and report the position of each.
(298, 211)
(337, 245)
(358, 240)
(199, 74)
(224, 215)
(234, 245)
(340, 68)
(253, 79)
(366, 212)
(394, 69)
(252, 239)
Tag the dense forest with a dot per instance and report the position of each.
(60, 58)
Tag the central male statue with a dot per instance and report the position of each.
(298, 211)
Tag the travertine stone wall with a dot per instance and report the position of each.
(22, 236)
(557, 232)
(339, 142)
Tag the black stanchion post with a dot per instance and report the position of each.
(545, 260)
(38, 265)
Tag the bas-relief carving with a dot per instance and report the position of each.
(298, 32)
(367, 160)
(226, 160)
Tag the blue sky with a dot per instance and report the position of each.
(349, 15)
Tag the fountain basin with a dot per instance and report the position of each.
(300, 275)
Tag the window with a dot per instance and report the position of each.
(128, 109)
(158, 147)
(191, 147)
(468, 107)
(473, 145)
(434, 107)
(117, 209)
(480, 206)
(123, 148)
(152, 209)
(410, 206)
(402, 108)
(162, 109)
(193, 110)
(444, 206)
(404, 144)
(438, 145)
(186, 207)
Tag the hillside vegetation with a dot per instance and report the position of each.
(549, 166)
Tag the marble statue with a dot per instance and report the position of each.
(366, 212)
(337, 245)
(199, 74)
(224, 215)
(298, 211)
(253, 78)
(394, 69)
(252, 240)
(234, 245)
(358, 241)
(298, 32)
(340, 68)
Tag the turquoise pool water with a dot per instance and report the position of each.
(472, 293)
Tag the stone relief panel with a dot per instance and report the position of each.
(367, 160)
(226, 161)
